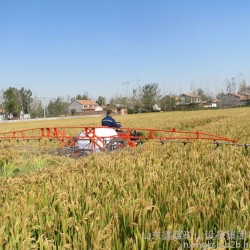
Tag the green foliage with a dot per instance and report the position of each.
(123, 100)
(189, 107)
(84, 96)
(219, 95)
(101, 100)
(72, 111)
(36, 109)
(16, 100)
(204, 96)
(25, 99)
(142, 99)
(57, 107)
(11, 104)
(168, 103)
(150, 95)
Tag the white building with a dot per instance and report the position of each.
(82, 105)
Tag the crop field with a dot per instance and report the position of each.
(154, 196)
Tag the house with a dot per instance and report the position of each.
(234, 100)
(169, 102)
(211, 103)
(189, 98)
(119, 109)
(245, 99)
(82, 106)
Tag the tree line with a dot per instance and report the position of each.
(20, 101)
(142, 99)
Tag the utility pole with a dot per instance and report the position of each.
(44, 111)
(44, 106)
(44, 101)
(170, 102)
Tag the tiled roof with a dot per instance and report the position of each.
(215, 100)
(192, 95)
(86, 102)
(237, 95)
(242, 97)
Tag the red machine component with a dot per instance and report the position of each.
(83, 140)
(60, 133)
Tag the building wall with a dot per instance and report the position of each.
(229, 101)
(185, 99)
(210, 105)
(89, 106)
(189, 99)
(75, 105)
(122, 111)
(245, 102)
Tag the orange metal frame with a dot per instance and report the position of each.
(126, 134)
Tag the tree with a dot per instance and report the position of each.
(36, 108)
(150, 95)
(84, 96)
(112, 100)
(1, 96)
(25, 98)
(16, 100)
(11, 100)
(119, 100)
(57, 107)
(168, 103)
(244, 87)
(237, 82)
(135, 101)
(219, 95)
(72, 111)
(143, 98)
(231, 85)
(204, 96)
(101, 101)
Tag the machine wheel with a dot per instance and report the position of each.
(115, 144)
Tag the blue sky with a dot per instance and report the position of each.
(59, 48)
